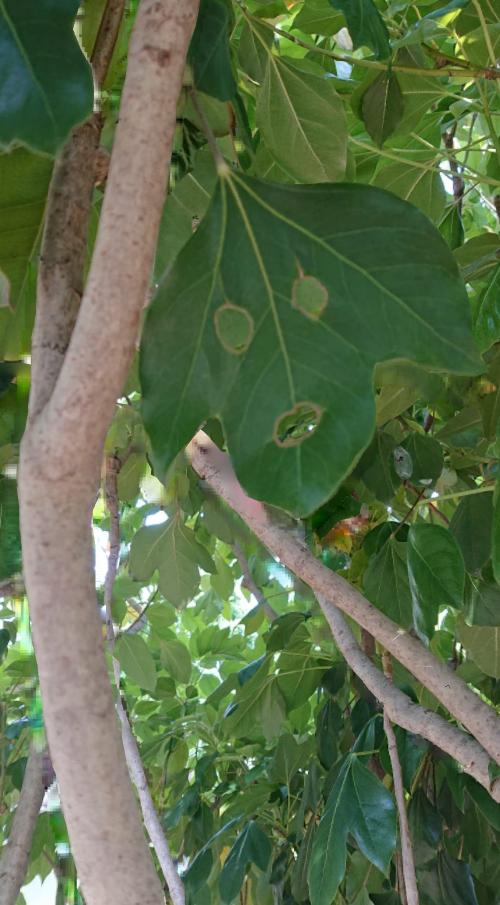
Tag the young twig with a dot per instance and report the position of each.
(250, 585)
(410, 880)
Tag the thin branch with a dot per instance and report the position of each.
(106, 39)
(458, 183)
(482, 721)
(403, 711)
(249, 583)
(151, 819)
(214, 147)
(410, 880)
(15, 855)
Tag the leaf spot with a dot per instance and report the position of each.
(309, 295)
(234, 327)
(297, 425)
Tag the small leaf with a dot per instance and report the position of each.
(251, 847)
(471, 525)
(383, 107)
(209, 51)
(176, 660)
(300, 888)
(303, 123)
(253, 50)
(161, 616)
(46, 83)
(386, 583)
(288, 758)
(366, 26)
(437, 574)
(426, 456)
(136, 660)
(487, 320)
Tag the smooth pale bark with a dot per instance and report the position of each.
(15, 855)
(59, 473)
(482, 721)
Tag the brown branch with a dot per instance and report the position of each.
(106, 39)
(458, 183)
(250, 585)
(403, 711)
(61, 456)
(482, 721)
(15, 855)
(410, 880)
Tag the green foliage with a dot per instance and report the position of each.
(46, 81)
(328, 299)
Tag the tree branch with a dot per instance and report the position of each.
(403, 711)
(106, 39)
(409, 878)
(15, 855)
(213, 465)
(249, 583)
(61, 455)
(134, 763)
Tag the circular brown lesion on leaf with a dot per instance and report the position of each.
(296, 425)
(234, 327)
(309, 295)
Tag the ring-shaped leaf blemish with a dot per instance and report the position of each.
(234, 327)
(309, 295)
(297, 425)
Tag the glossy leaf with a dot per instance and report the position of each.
(136, 660)
(386, 583)
(45, 81)
(383, 107)
(471, 525)
(209, 51)
(437, 574)
(281, 243)
(359, 804)
(366, 26)
(251, 847)
(24, 186)
(303, 123)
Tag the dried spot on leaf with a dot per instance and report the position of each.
(309, 295)
(234, 327)
(296, 425)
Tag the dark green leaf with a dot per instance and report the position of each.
(426, 827)
(482, 603)
(487, 320)
(251, 846)
(366, 26)
(383, 107)
(331, 309)
(300, 888)
(376, 467)
(386, 583)
(46, 83)
(209, 51)
(471, 526)
(253, 50)
(437, 574)
(328, 728)
(446, 881)
(426, 457)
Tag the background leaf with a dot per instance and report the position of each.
(437, 574)
(136, 660)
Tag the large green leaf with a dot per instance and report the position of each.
(176, 659)
(482, 602)
(386, 583)
(136, 660)
(437, 574)
(471, 525)
(427, 458)
(251, 846)
(359, 804)
(303, 123)
(366, 26)
(446, 881)
(209, 51)
(24, 186)
(302, 288)
(316, 17)
(174, 551)
(46, 83)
